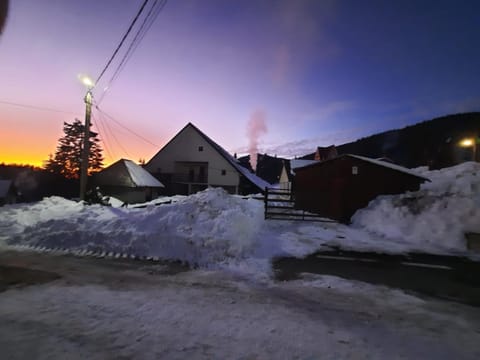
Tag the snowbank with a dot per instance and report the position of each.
(436, 217)
(214, 229)
(204, 228)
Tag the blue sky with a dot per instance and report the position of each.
(320, 72)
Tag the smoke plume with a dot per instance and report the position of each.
(255, 128)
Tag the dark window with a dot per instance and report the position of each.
(191, 175)
(200, 148)
(224, 172)
(159, 170)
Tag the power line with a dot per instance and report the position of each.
(126, 128)
(122, 41)
(112, 134)
(103, 136)
(147, 23)
(41, 108)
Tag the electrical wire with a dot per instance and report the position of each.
(122, 41)
(147, 23)
(112, 134)
(41, 108)
(126, 128)
(103, 136)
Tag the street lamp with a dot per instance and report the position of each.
(90, 84)
(470, 142)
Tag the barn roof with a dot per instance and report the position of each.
(126, 173)
(375, 162)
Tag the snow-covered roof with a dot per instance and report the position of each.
(389, 165)
(372, 161)
(140, 176)
(126, 173)
(5, 187)
(298, 163)
(254, 179)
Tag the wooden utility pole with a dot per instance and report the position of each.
(86, 146)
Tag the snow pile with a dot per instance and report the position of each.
(436, 217)
(204, 228)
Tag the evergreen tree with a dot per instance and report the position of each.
(68, 155)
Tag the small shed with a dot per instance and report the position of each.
(8, 194)
(338, 187)
(127, 182)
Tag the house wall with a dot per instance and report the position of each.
(185, 148)
(284, 181)
(130, 195)
(332, 190)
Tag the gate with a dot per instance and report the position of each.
(280, 205)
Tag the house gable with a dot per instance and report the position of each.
(190, 147)
(192, 158)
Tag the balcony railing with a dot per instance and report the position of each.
(190, 178)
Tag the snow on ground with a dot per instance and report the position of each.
(213, 229)
(434, 218)
(100, 312)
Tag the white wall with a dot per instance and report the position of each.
(184, 147)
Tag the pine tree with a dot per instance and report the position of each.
(68, 155)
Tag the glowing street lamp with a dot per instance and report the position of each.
(87, 81)
(90, 84)
(467, 142)
(470, 142)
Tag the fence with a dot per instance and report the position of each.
(280, 205)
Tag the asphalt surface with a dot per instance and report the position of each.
(445, 277)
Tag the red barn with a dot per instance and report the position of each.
(338, 187)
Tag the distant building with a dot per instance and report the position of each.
(127, 182)
(8, 193)
(191, 162)
(338, 187)
(325, 153)
(288, 171)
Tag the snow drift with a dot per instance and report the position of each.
(204, 228)
(435, 217)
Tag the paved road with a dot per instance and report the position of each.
(64, 307)
(446, 277)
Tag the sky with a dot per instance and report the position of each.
(318, 72)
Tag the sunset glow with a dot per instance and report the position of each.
(320, 72)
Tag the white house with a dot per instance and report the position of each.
(191, 162)
(128, 182)
(288, 172)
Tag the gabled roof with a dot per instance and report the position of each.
(255, 180)
(126, 173)
(5, 186)
(372, 161)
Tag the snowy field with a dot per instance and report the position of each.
(212, 229)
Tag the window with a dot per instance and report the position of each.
(200, 148)
(224, 172)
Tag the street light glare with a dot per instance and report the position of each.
(466, 142)
(87, 81)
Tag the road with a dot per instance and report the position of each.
(64, 307)
(445, 277)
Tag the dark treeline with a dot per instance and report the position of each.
(34, 184)
(434, 142)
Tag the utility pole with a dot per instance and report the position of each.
(86, 145)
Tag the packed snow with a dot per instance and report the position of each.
(214, 229)
(101, 311)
